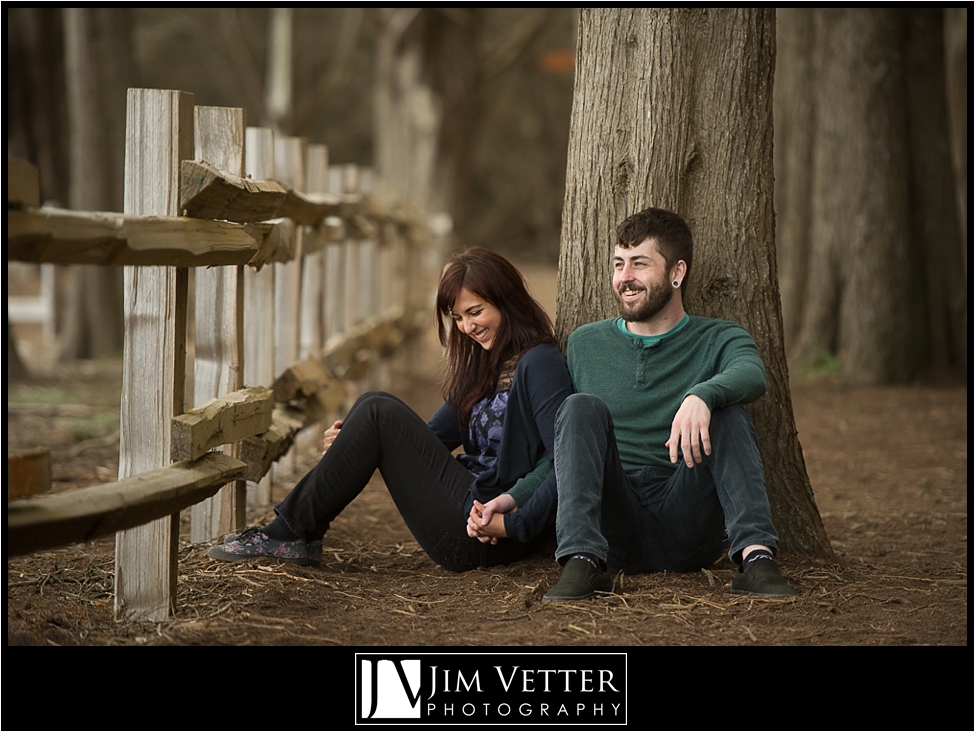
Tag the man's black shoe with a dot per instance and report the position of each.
(580, 580)
(763, 579)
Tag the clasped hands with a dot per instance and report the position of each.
(486, 520)
(689, 436)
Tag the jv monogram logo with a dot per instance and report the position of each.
(389, 688)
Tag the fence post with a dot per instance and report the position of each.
(218, 324)
(259, 302)
(368, 284)
(159, 134)
(336, 321)
(394, 291)
(353, 258)
(313, 279)
(316, 181)
(377, 249)
(318, 184)
(289, 165)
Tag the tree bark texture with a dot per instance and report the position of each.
(673, 108)
(864, 193)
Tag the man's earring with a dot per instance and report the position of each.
(676, 284)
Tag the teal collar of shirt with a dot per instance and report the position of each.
(651, 340)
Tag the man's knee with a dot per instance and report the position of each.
(583, 427)
(733, 414)
(582, 409)
(732, 421)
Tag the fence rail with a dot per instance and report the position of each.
(248, 211)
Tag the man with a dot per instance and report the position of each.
(657, 463)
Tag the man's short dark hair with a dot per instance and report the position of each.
(667, 229)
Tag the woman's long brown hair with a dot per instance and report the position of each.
(470, 371)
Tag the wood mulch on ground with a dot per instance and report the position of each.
(893, 499)
(888, 465)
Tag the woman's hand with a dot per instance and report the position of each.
(486, 521)
(330, 434)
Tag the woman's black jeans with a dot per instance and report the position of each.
(430, 487)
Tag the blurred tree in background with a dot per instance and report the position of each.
(36, 110)
(472, 118)
(870, 237)
(98, 70)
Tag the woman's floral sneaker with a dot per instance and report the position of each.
(314, 551)
(253, 543)
(314, 548)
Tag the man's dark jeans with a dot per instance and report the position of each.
(656, 519)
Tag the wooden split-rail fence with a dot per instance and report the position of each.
(301, 284)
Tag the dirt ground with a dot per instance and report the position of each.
(888, 465)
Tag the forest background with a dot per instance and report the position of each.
(466, 112)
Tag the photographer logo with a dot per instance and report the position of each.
(458, 689)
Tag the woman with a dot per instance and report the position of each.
(505, 379)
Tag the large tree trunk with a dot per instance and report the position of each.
(673, 108)
(874, 276)
(98, 63)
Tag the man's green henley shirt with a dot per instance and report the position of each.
(644, 380)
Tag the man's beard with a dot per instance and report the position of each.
(657, 297)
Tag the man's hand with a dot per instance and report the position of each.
(330, 434)
(486, 522)
(689, 431)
